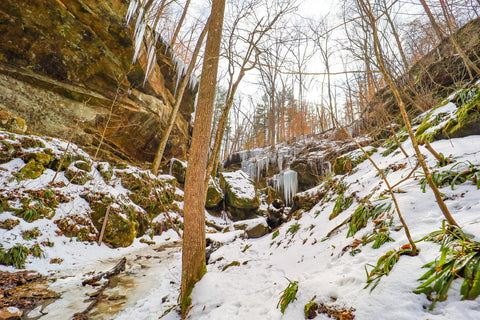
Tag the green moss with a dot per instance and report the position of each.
(214, 195)
(106, 171)
(185, 299)
(232, 264)
(465, 121)
(40, 157)
(83, 165)
(32, 170)
(77, 176)
(310, 310)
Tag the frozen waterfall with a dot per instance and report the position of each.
(286, 182)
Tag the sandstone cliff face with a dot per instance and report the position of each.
(65, 64)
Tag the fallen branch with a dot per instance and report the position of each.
(98, 295)
(408, 177)
(336, 228)
(106, 275)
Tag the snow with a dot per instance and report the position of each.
(240, 184)
(251, 289)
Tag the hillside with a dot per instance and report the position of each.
(328, 246)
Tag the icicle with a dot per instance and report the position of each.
(290, 185)
(132, 8)
(287, 183)
(138, 41)
(152, 58)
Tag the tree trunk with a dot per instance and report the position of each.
(193, 253)
(180, 23)
(178, 101)
(401, 105)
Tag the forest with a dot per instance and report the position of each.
(246, 159)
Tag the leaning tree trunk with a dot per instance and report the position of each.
(178, 101)
(193, 253)
(378, 54)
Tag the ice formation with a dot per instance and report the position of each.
(152, 38)
(286, 182)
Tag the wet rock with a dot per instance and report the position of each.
(275, 213)
(240, 194)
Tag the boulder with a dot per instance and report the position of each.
(76, 175)
(241, 196)
(122, 224)
(275, 212)
(106, 171)
(254, 228)
(151, 194)
(177, 168)
(32, 170)
(307, 200)
(214, 194)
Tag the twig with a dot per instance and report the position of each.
(408, 177)
(104, 225)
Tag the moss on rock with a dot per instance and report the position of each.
(121, 229)
(77, 176)
(32, 170)
(106, 171)
(153, 195)
(462, 122)
(214, 195)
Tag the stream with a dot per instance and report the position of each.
(146, 269)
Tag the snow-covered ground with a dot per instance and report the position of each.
(246, 277)
(252, 290)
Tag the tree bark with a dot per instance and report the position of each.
(193, 253)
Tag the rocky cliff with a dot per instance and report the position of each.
(65, 68)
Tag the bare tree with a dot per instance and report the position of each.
(241, 62)
(193, 253)
(388, 78)
(178, 101)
